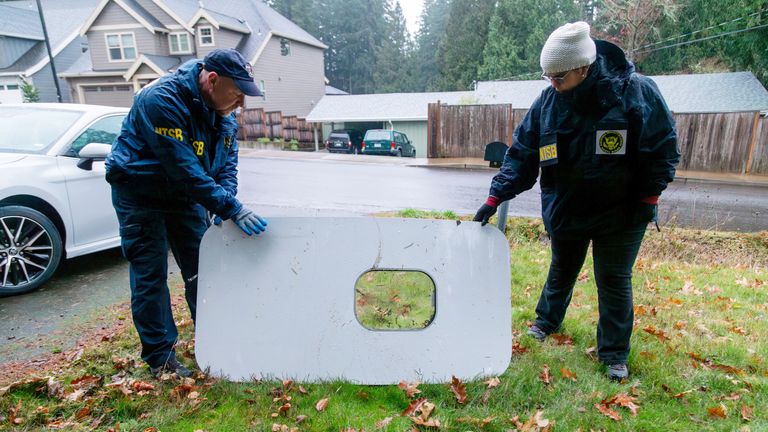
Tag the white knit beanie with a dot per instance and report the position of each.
(568, 47)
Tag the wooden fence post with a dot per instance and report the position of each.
(752, 142)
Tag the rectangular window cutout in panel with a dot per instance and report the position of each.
(395, 300)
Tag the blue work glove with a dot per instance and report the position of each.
(216, 220)
(250, 222)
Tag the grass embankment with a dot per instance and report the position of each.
(698, 361)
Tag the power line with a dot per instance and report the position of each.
(703, 39)
(701, 30)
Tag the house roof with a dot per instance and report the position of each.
(139, 9)
(331, 90)
(379, 107)
(62, 19)
(718, 92)
(700, 93)
(691, 93)
(20, 23)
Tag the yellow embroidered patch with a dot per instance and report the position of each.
(548, 152)
(170, 132)
(199, 147)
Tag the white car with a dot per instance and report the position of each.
(54, 201)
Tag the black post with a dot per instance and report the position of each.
(48, 48)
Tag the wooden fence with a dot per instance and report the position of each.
(716, 142)
(255, 123)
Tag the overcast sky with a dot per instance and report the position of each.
(412, 11)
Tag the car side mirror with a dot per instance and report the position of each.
(92, 152)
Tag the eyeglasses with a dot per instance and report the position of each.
(556, 78)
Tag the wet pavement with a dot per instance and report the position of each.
(336, 185)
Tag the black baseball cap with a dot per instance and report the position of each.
(230, 63)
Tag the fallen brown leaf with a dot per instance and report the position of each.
(561, 339)
(656, 332)
(567, 374)
(142, 386)
(410, 389)
(435, 423)
(321, 404)
(413, 406)
(13, 414)
(536, 423)
(544, 375)
(492, 382)
(518, 349)
(82, 413)
(626, 401)
(458, 389)
(718, 412)
(606, 411)
(746, 413)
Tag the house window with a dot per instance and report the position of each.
(285, 47)
(179, 43)
(206, 36)
(12, 87)
(263, 88)
(121, 46)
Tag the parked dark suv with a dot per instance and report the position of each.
(344, 141)
(387, 142)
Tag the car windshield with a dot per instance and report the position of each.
(31, 129)
(377, 135)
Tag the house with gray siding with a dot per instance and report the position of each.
(133, 42)
(23, 55)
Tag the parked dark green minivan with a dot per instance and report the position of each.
(387, 142)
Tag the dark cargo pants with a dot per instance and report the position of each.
(151, 223)
(614, 256)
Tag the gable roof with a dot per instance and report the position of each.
(221, 20)
(133, 8)
(160, 64)
(62, 20)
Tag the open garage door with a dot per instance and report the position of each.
(111, 95)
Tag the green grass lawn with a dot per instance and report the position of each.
(698, 360)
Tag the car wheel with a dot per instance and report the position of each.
(30, 250)
(413, 155)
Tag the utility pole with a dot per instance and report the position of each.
(48, 48)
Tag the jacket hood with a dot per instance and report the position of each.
(605, 80)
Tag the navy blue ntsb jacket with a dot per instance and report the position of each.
(601, 148)
(171, 139)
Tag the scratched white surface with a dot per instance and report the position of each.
(283, 305)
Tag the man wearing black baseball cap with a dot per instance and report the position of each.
(174, 162)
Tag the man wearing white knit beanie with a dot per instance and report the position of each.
(605, 144)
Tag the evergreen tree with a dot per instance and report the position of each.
(393, 71)
(302, 12)
(433, 20)
(515, 40)
(461, 52)
(698, 19)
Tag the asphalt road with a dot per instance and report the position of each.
(36, 323)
